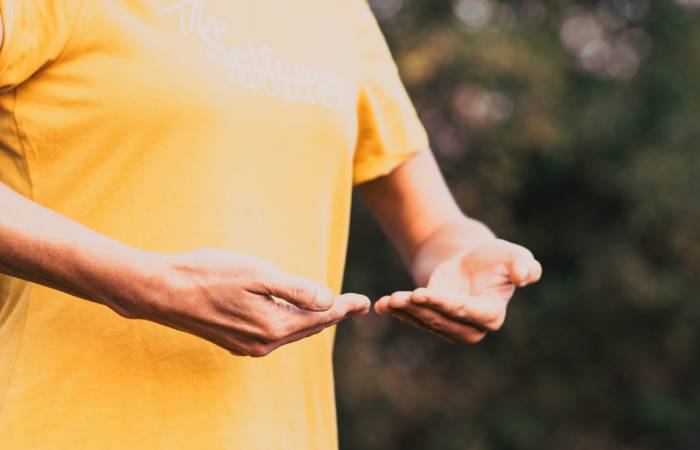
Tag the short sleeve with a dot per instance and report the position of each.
(389, 131)
(34, 33)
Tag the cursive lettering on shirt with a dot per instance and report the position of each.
(256, 66)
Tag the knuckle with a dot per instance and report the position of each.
(305, 293)
(474, 337)
(258, 350)
(398, 300)
(462, 311)
(273, 331)
(233, 349)
(125, 313)
(256, 269)
(435, 323)
(277, 331)
(252, 273)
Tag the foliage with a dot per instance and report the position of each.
(572, 128)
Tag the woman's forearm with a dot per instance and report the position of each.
(446, 241)
(42, 246)
(217, 295)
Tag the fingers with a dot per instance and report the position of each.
(445, 326)
(413, 308)
(293, 324)
(288, 320)
(524, 268)
(299, 335)
(300, 291)
(388, 303)
(395, 304)
(406, 317)
(345, 305)
(483, 313)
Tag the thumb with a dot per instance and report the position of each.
(300, 291)
(353, 303)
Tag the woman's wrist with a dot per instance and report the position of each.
(127, 279)
(444, 243)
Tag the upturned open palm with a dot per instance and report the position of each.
(468, 294)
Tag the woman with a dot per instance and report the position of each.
(189, 163)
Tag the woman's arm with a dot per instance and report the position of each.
(467, 274)
(418, 213)
(39, 245)
(209, 293)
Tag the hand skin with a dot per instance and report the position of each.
(227, 298)
(467, 295)
(466, 275)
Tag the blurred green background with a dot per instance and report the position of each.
(572, 128)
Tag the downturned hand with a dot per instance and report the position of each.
(240, 303)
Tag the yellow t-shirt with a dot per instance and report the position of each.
(172, 125)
